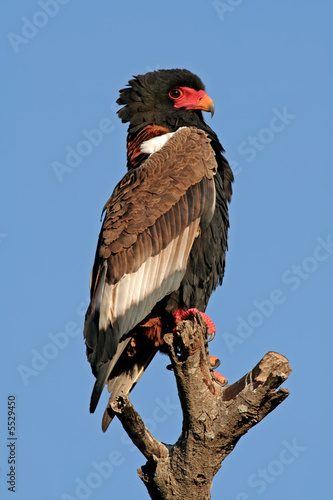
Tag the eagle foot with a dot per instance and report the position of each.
(212, 336)
(180, 315)
(220, 378)
(215, 363)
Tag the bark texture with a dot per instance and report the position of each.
(214, 417)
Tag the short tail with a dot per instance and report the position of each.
(125, 378)
(99, 386)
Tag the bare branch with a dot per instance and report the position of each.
(136, 429)
(214, 417)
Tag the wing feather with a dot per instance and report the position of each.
(151, 222)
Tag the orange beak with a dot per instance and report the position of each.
(205, 103)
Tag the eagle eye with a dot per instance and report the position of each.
(175, 93)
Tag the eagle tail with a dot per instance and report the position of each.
(99, 386)
(103, 374)
(125, 377)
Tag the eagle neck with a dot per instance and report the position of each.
(134, 140)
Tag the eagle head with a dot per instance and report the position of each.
(170, 98)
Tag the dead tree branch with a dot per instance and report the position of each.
(214, 417)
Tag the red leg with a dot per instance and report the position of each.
(180, 315)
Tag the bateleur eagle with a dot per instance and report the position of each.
(164, 236)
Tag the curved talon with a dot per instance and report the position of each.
(211, 337)
(215, 362)
(169, 367)
(220, 378)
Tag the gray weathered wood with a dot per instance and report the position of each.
(214, 417)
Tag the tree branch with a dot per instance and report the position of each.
(214, 417)
(136, 429)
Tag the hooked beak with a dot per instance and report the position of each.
(205, 103)
(194, 99)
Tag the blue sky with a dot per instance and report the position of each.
(267, 66)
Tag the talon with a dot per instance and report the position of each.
(212, 336)
(220, 378)
(169, 367)
(214, 361)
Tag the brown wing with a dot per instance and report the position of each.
(206, 262)
(151, 222)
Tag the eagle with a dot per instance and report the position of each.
(162, 245)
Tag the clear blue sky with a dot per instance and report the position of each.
(267, 66)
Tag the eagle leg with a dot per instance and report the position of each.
(180, 315)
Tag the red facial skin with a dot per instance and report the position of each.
(184, 97)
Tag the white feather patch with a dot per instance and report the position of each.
(156, 143)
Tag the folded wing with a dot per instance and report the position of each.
(152, 220)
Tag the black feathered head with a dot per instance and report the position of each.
(167, 97)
